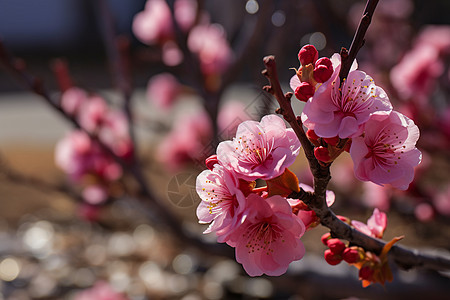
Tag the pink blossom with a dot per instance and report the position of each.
(437, 36)
(417, 72)
(424, 212)
(342, 111)
(230, 116)
(375, 195)
(77, 155)
(95, 194)
(171, 54)
(154, 23)
(72, 153)
(92, 112)
(100, 291)
(185, 13)
(115, 134)
(162, 90)
(186, 140)
(269, 238)
(260, 149)
(72, 99)
(386, 153)
(441, 202)
(222, 201)
(209, 42)
(376, 224)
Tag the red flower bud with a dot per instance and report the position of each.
(332, 141)
(304, 91)
(325, 238)
(366, 273)
(344, 219)
(325, 61)
(322, 73)
(351, 255)
(332, 258)
(323, 69)
(336, 246)
(308, 55)
(312, 136)
(211, 161)
(322, 154)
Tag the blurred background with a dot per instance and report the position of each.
(82, 234)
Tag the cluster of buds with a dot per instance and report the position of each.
(312, 72)
(328, 149)
(338, 251)
(372, 268)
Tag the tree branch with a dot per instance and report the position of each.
(405, 258)
(347, 58)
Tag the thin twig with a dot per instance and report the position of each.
(347, 58)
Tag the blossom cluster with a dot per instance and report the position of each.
(262, 223)
(356, 115)
(155, 26)
(83, 158)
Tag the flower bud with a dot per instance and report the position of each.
(351, 255)
(211, 161)
(332, 141)
(313, 137)
(322, 154)
(325, 61)
(332, 258)
(322, 73)
(308, 55)
(336, 246)
(325, 238)
(366, 273)
(304, 91)
(344, 219)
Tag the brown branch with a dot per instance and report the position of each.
(347, 58)
(405, 258)
(154, 208)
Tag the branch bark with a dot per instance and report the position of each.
(404, 257)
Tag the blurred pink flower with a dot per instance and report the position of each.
(72, 99)
(230, 116)
(376, 224)
(209, 42)
(171, 54)
(185, 13)
(424, 212)
(186, 141)
(72, 154)
(153, 24)
(92, 112)
(77, 155)
(100, 291)
(269, 238)
(386, 153)
(437, 36)
(162, 90)
(260, 149)
(415, 75)
(332, 112)
(95, 194)
(222, 201)
(114, 133)
(441, 202)
(375, 196)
